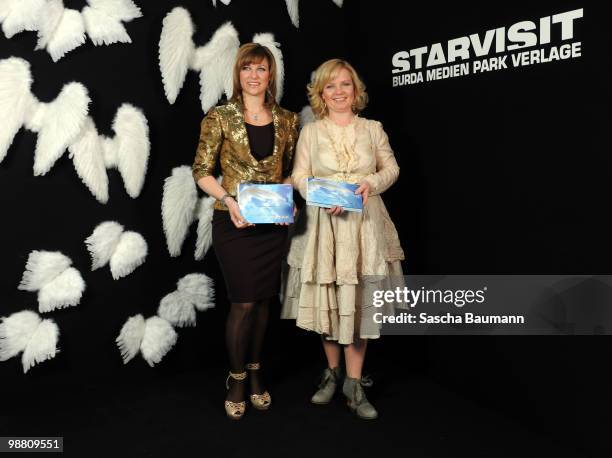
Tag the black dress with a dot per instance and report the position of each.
(250, 258)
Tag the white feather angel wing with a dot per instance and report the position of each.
(88, 159)
(102, 243)
(177, 309)
(132, 143)
(176, 48)
(293, 10)
(159, 338)
(199, 290)
(58, 124)
(42, 268)
(63, 291)
(42, 345)
(15, 99)
(16, 331)
(103, 20)
(205, 214)
(179, 201)
(128, 151)
(68, 34)
(58, 284)
(130, 253)
(60, 29)
(25, 332)
(130, 337)
(267, 40)
(19, 15)
(215, 61)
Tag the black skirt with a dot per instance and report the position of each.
(250, 258)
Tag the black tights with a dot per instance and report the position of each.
(244, 335)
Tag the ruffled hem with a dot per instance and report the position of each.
(340, 312)
(335, 264)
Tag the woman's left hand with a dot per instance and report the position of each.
(364, 190)
(334, 211)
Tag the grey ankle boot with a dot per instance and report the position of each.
(357, 401)
(329, 382)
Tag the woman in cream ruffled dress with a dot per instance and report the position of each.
(337, 258)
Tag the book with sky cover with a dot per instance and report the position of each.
(266, 203)
(329, 193)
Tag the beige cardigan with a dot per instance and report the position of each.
(358, 151)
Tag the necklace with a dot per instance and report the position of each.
(255, 116)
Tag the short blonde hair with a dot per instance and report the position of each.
(254, 53)
(326, 72)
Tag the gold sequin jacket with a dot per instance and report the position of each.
(223, 137)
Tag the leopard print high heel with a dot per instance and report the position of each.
(259, 401)
(235, 410)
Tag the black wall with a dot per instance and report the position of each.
(501, 173)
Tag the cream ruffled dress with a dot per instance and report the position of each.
(325, 289)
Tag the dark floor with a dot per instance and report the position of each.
(182, 416)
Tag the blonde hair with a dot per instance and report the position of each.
(326, 72)
(254, 53)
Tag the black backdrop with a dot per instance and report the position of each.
(501, 173)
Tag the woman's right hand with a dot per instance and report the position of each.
(235, 215)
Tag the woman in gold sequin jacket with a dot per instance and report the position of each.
(253, 140)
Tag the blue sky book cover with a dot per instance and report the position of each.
(266, 203)
(329, 193)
